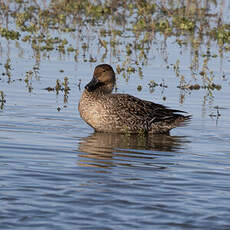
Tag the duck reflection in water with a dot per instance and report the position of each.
(109, 149)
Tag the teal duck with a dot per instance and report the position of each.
(123, 113)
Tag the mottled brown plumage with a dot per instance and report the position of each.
(123, 113)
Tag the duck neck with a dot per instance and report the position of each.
(94, 94)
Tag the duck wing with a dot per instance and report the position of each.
(135, 108)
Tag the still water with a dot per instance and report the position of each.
(56, 173)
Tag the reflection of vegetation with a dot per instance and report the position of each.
(7, 67)
(2, 100)
(61, 86)
(217, 114)
(28, 80)
(124, 30)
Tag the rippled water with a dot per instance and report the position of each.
(56, 173)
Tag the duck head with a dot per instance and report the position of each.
(103, 79)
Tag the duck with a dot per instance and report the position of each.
(111, 112)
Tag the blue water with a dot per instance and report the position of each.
(56, 173)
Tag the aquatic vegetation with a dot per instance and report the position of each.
(2, 100)
(60, 86)
(139, 88)
(152, 84)
(9, 34)
(124, 31)
(7, 67)
(2, 97)
(28, 80)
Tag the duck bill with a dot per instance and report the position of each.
(93, 84)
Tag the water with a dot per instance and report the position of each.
(56, 173)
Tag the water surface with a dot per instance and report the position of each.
(56, 173)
